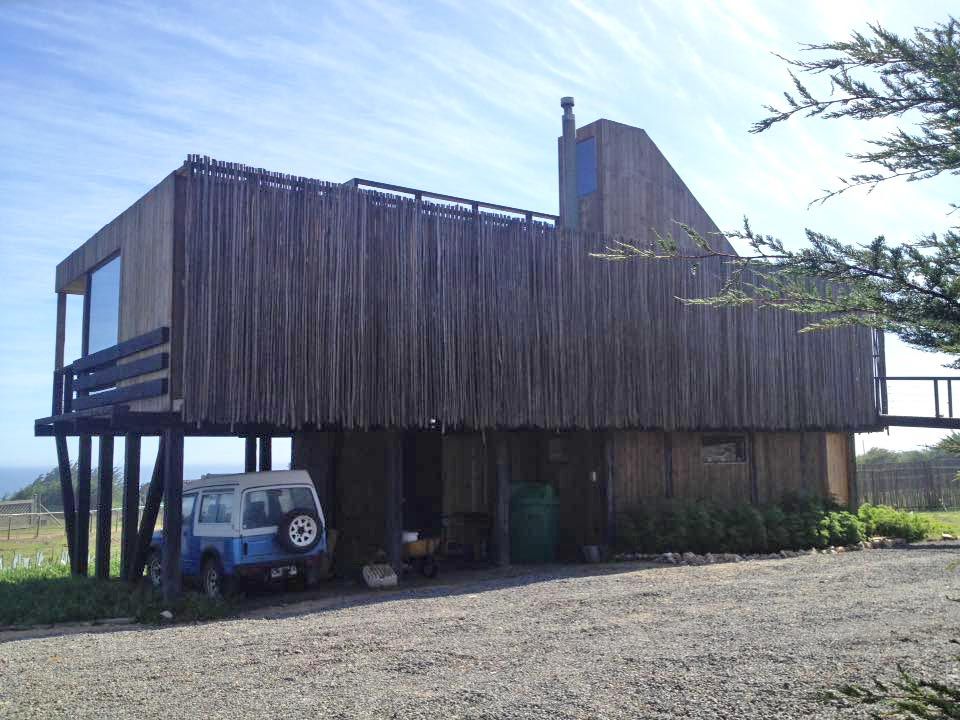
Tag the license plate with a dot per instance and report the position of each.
(284, 571)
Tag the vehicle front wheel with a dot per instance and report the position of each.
(154, 567)
(212, 580)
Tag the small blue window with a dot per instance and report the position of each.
(586, 166)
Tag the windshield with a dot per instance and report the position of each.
(266, 507)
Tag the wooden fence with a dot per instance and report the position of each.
(928, 485)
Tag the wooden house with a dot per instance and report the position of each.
(426, 351)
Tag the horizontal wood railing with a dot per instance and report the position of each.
(90, 381)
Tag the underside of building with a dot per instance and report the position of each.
(426, 353)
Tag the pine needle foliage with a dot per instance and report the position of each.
(911, 289)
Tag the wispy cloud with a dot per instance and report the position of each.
(104, 99)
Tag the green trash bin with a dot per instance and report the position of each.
(534, 511)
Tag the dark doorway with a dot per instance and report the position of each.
(423, 482)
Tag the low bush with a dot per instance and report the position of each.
(884, 520)
(797, 522)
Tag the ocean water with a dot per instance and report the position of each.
(13, 479)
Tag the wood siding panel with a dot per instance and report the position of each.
(466, 475)
(838, 466)
(143, 235)
(790, 463)
(639, 468)
(638, 192)
(724, 483)
(312, 303)
(360, 503)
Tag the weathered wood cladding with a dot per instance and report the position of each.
(307, 303)
(638, 192)
(143, 235)
(781, 463)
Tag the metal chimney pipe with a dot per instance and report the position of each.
(569, 205)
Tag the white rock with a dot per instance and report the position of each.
(947, 536)
(166, 615)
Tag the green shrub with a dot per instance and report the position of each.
(777, 528)
(704, 526)
(746, 530)
(798, 522)
(842, 528)
(885, 520)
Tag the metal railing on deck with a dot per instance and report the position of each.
(475, 204)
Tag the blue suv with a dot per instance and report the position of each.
(257, 526)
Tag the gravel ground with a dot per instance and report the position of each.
(757, 639)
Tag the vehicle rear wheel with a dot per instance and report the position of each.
(212, 580)
(154, 567)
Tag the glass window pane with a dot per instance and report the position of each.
(216, 508)
(266, 508)
(104, 306)
(187, 506)
(586, 166)
(225, 508)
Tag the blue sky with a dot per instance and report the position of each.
(102, 100)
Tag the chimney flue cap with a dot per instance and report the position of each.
(566, 102)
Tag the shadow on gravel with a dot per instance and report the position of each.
(265, 604)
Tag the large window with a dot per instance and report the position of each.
(104, 321)
(266, 508)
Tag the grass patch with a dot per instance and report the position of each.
(945, 521)
(49, 594)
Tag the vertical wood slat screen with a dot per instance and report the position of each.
(310, 303)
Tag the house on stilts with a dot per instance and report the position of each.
(425, 352)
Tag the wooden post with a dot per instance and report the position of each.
(393, 498)
(151, 509)
(266, 456)
(853, 482)
(315, 452)
(66, 494)
(501, 510)
(82, 543)
(131, 504)
(609, 456)
(104, 507)
(754, 481)
(667, 465)
(58, 353)
(172, 511)
(250, 454)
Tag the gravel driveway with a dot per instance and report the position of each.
(755, 639)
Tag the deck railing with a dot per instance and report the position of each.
(476, 205)
(91, 381)
(942, 396)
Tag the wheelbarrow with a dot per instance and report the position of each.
(421, 555)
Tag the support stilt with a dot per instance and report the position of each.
(131, 504)
(250, 454)
(151, 509)
(172, 512)
(266, 456)
(104, 507)
(393, 498)
(82, 542)
(66, 494)
(501, 513)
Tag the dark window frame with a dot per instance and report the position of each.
(88, 285)
(741, 449)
